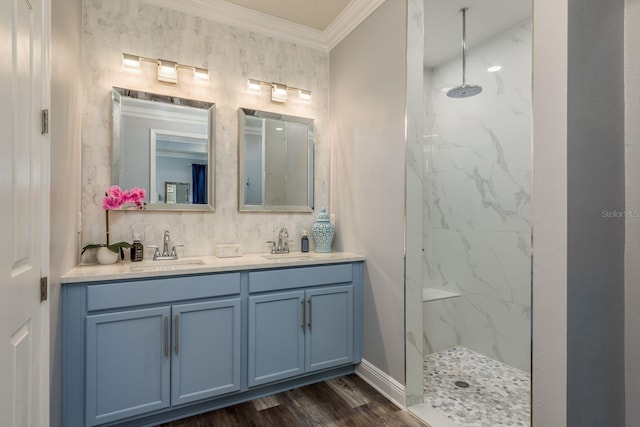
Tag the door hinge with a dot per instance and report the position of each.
(43, 289)
(44, 122)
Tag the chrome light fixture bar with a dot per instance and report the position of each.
(167, 70)
(279, 91)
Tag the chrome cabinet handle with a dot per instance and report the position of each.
(310, 314)
(166, 337)
(177, 334)
(304, 314)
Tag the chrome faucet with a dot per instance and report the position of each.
(165, 255)
(283, 245)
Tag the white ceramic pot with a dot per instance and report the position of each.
(105, 256)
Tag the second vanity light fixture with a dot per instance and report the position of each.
(279, 91)
(167, 70)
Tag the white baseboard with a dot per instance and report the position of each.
(383, 382)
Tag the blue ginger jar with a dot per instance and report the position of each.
(323, 232)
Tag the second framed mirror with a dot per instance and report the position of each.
(276, 162)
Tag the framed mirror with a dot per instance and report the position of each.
(275, 162)
(164, 144)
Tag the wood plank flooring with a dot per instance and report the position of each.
(345, 401)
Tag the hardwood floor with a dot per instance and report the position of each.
(346, 401)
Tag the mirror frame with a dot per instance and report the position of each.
(117, 94)
(242, 207)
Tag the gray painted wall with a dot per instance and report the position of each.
(367, 93)
(632, 171)
(595, 242)
(65, 117)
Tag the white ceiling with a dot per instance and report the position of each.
(319, 24)
(323, 23)
(317, 14)
(442, 20)
(485, 18)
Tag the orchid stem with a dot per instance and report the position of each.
(107, 213)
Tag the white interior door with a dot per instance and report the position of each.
(23, 320)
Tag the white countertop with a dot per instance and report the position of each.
(209, 264)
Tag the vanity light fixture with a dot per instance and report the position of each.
(494, 68)
(167, 70)
(201, 75)
(253, 86)
(279, 91)
(305, 95)
(131, 62)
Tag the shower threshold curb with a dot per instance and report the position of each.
(431, 416)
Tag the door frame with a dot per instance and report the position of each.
(45, 218)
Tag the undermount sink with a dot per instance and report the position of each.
(167, 265)
(290, 257)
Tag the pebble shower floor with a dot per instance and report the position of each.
(497, 396)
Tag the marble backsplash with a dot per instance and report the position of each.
(232, 55)
(476, 202)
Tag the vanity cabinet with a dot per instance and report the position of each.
(276, 337)
(205, 358)
(128, 368)
(144, 351)
(148, 359)
(329, 336)
(296, 332)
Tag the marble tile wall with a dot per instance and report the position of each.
(232, 55)
(414, 354)
(476, 195)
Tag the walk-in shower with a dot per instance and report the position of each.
(476, 191)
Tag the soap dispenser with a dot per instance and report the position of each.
(304, 242)
(137, 250)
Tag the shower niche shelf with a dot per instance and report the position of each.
(434, 294)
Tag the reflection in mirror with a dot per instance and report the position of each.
(276, 162)
(165, 145)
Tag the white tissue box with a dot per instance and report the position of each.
(229, 250)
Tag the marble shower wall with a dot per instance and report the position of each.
(476, 195)
(232, 55)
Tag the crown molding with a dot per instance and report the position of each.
(252, 20)
(352, 16)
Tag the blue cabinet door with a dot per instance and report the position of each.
(205, 350)
(276, 337)
(128, 364)
(329, 336)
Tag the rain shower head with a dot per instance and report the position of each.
(465, 90)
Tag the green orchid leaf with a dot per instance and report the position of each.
(92, 246)
(114, 247)
(118, 247)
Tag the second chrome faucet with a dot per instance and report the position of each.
(166, 254)
(281, 246)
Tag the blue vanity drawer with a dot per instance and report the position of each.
(128, 294)
(275, 280)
